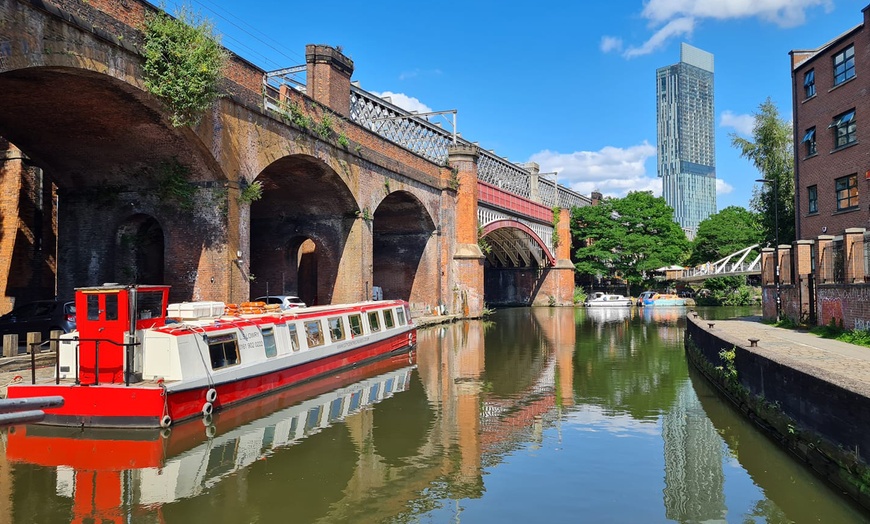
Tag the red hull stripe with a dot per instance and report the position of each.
(114, 405)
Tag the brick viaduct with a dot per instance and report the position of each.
(88, 160)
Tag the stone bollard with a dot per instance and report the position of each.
(54, 344)
(33, 338)
(10, 345)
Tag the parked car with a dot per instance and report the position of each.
(41, 316)
(286, 301)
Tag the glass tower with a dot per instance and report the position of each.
(686, 149)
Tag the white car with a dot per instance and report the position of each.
(286, 301)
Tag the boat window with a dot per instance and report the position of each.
(335, 409)
(400, 316)
(93, 307)
(149, 305)
(313, 333)
(355, 325)
(223, 350)
(294, 338)
(269, 341)
(313, 419)
(388, 318)
(336, 330)
(111, 307)
(374, 323)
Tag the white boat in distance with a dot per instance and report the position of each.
(601, 299)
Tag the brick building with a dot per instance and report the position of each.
(824, 276)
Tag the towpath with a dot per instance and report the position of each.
(845, 365)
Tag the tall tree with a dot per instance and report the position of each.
(627, 237)
(726, 232)
(771, 152)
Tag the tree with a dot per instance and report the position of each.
(726, 232)
(771, 152)
(627, 237)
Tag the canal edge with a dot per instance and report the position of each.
(775, 396)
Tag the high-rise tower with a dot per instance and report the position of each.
(686, 148)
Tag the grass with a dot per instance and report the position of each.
(831, 331)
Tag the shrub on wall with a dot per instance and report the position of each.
(183, 63)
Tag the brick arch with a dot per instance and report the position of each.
(402, 236)
(303, 198)
(517, 230)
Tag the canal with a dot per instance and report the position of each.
(534, 415)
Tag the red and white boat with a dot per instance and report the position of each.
(137, 361)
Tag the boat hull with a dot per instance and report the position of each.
(157, 405)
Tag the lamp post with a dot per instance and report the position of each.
(775, 184)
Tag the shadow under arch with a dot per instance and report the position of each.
(102, 143)
(304, 200)
(139, 251)
(402, 231)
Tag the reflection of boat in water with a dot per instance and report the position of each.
(609, 314)
(663, 314)
(97, 466)
(601, 299)
(653, 299)
(137, 361)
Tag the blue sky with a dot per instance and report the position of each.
(570, 85)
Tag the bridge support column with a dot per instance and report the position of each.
(467, 257)
(558, 286)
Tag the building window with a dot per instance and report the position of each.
(847, 192)
(844, 129)
(813, 199)
(810, 141)
(810, 83)
(844, 65)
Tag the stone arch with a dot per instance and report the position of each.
(301, 227)
(139, 251)
(402, 231)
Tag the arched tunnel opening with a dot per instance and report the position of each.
(300, 229)
(515, 265)
(402, 232)
(92, 161)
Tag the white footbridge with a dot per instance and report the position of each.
(734, 264)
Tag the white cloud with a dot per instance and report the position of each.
(611, 43)
(674, 28)
(785, 13)
(674, 18)
(723, 187)
(743, 124)
(408, 103)
(613, 171)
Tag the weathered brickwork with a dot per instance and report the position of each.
(378, 214)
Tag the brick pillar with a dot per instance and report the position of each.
(467, 258)
(328, 77)
(802, 251)
(534, 188)
(785, 276)
(563, 272)
(824, 266)
(853, 244)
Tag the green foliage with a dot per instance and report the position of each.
(556, 217)
(726, 232)
(628, 237)
(250, 193)
(324, 128)
(482, 242)
(453, 183)
(579, 295)
(728, 291)
(173, 184)
(857, 337)
(343, 141)
(771, 152)
(365, 214)
(728, 368)
(183, 63)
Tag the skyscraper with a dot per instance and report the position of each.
(686, 148)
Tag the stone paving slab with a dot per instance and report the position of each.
(840, 363)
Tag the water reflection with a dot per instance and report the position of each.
(537, 414)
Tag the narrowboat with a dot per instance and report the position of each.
(136, 361)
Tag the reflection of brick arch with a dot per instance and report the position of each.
(514, 224)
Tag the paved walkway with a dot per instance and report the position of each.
(845, 365)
